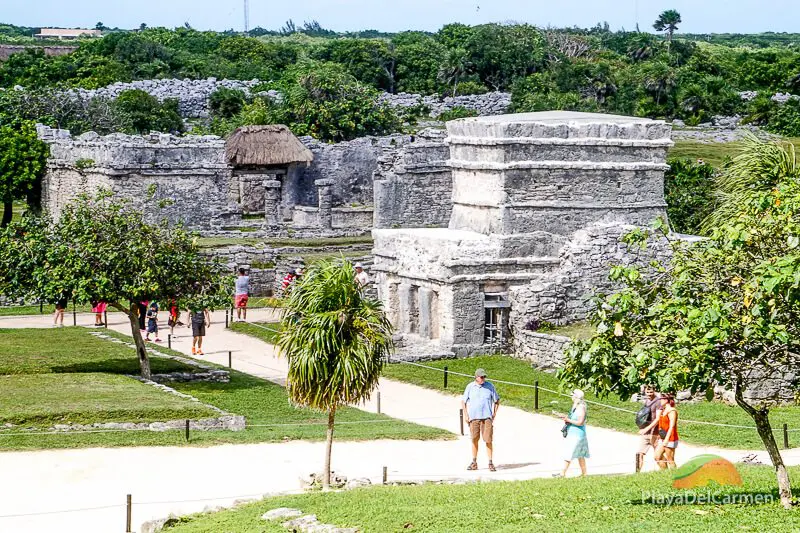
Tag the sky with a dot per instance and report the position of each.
(699, 16)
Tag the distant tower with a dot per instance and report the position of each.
(246, 16)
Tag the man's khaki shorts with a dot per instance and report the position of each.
(646, 442)
(481, 428)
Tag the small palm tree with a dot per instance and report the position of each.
(336, 340)
(668, 22)
(759, 167)
(454, 67)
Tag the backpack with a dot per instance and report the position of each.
(643, 417)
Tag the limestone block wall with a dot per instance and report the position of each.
(413, 187)
(544, 351)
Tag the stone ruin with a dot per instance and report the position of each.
(539, 202)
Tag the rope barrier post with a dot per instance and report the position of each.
(786, 436)
(226, 319)
(445, 377)
(169, 340)
(41, 307)
(535, 395)
(379, 402)
(187, 430)
(105, 319)
(128, 514)
(385, 474)
(74, 314)
(461, 420)
(230, 359)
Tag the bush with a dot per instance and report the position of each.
(689, 192)
(225, 102)
(456, 113)
(146, 113)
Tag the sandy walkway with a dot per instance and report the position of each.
(527, 446)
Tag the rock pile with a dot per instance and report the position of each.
(494, 103)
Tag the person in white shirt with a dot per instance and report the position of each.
(242, 295)
(361, 277)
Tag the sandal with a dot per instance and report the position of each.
(491, 467)
(473, 465)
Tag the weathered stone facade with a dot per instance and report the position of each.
(539, 201)
(544, 351)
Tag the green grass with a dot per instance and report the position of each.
(242, 229)
(509, 369)
(260, 401)
(578, 330)
(712, 153)
(594, 503)
(70, 350)
(258, 302)
(47, 309)
(316, 243)
(41, 400)
(266, 331)
(219, 242)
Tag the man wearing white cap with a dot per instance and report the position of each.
(480, 403)
(361, 277)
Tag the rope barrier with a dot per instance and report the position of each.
(20, 515)
(682, 420)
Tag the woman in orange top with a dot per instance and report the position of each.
(668, 432)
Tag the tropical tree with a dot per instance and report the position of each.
(336, 339)
(454, 67)
(668, 22)
(725, 311)
(102, 249)
(22, 163)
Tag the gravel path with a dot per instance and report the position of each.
(166, 480)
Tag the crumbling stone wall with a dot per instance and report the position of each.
(413, 185)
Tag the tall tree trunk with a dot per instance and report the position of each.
(8, 213)
(761, 418)
(141, 350)
(326, 479)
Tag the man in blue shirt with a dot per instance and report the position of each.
(480, 403)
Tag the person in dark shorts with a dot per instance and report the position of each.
(61, 305)
(152, 322)
(199, 320)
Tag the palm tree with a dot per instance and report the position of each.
(759, 167)
(336, 340)
(454, 67)
(668, 21)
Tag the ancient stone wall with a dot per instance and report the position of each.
(6, 50)
(493, 103)
(545, 351)
(413, 185)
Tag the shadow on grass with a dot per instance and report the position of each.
(121, 366)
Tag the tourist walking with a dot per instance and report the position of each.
(644, 418)
(60, 305)
(152, 322)
(198, 320)
(99, 308)
(577, 445)
(288, 279)
(361, 277)
(242, 295)
(667, 424)
(480, 404)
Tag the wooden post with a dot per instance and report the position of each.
(379, 402)
(461, 420)
(536, 395)
(786, 436)
(445, 377)
(128, 513)
(187, 430)
(230, 359)
(41, 307)
(169, 340)
(74, 314)
(385, 475)
(226, 318)
(105, 319)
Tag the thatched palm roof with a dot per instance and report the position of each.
(265, 146)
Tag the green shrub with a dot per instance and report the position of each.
(455, 113)
(689, 192)
(146, 113)
(225, 102)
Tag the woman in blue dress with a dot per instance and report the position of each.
(577, 446)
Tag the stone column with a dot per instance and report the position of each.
(272, 201)
(405, 301)
(325, 195)
(425, 318)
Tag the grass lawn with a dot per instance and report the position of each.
(595, 503)
(712, 153)
(266, 331)
(70, 350)
(509, 369)
(577, 330)
(47, 309)
(41, 400)
(261, 402)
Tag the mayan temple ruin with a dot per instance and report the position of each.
(539, 202)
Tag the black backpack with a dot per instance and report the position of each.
(643, 417)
